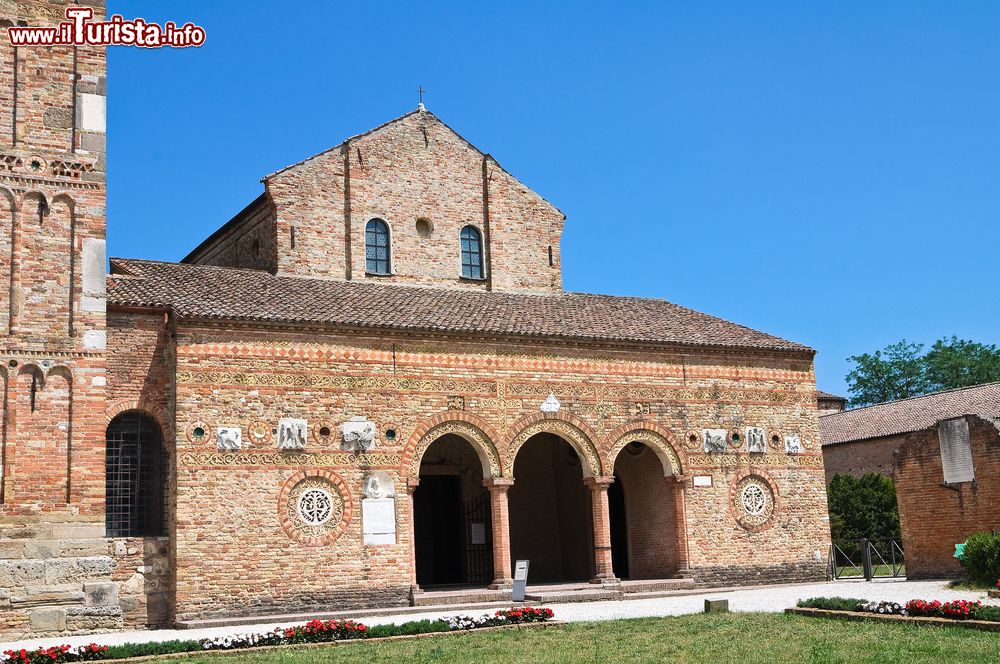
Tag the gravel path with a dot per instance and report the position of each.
(772, 599)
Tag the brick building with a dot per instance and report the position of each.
(943, 452)
(366, 385)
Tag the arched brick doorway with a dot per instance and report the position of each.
(643, 514)
(451, 517)
(551, 522)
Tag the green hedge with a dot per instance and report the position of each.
(991, 613)
(982, 559)
(830, 603)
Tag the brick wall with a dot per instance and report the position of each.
(229, 376)
(934, 517)
(861, 457)
(321, 214)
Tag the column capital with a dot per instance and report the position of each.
(677, 479)
(498, 483)
(598, 482)
(412, 484)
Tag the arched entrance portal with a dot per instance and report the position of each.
(642, 506)
(451, 516)
(550, 511)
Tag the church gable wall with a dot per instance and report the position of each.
(251, 243)
(237, 378)
(427, 184)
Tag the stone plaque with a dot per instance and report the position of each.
(359, 435)
(793, 444)
(229, 438)
(378, 520)
(477, 533)
(702, 480)
(956, 451)
(291, 434)
(715, 441)
(755, 440)
(551, 404)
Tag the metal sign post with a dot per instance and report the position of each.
(520, 580)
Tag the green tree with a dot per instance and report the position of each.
(862, 507)
(895, 372)
(952, 363)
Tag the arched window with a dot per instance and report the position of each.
(135, 477)
(472, 253)
(377, 247)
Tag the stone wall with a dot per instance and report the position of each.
(414, 168)
(933, 516)
(489, 392)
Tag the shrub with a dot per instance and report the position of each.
(862, 507)
(831, 603)
(408, 628)
(126, 650)
(991, 613)
(982, 558)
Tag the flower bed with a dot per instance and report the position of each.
(939, 612)
(315, 631)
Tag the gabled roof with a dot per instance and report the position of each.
(906, 415)
(204, 292)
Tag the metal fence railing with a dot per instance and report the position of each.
(867, 559)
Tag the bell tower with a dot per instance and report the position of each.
(52, 306)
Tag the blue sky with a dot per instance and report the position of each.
(826, 172)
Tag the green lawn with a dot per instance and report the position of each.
(697, 638)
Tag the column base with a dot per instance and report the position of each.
(606, 581)
(416, 590)
(501, 584)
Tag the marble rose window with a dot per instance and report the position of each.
(377, 253)
(472, 253)
(135, 476)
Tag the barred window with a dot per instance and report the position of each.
(135, 477)
(377, 247)
(472, 253)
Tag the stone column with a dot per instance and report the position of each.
(676, 484)
(500, 518)
(411, 486)
(603, 569)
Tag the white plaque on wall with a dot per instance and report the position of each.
(702, 480)
(378, 520)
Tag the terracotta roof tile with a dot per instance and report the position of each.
(913, 414)
(194, 291)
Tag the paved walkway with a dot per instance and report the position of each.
(766, 599)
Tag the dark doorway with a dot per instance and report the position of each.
(453, 532)
(619, 528)
(438, 520)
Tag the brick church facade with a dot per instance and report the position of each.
(367, 385)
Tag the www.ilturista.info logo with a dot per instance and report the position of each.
(79, 30)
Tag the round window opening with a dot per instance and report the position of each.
(198, 432)
(390, 434)
(315, 506)
(324, 431)
(424, 227)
